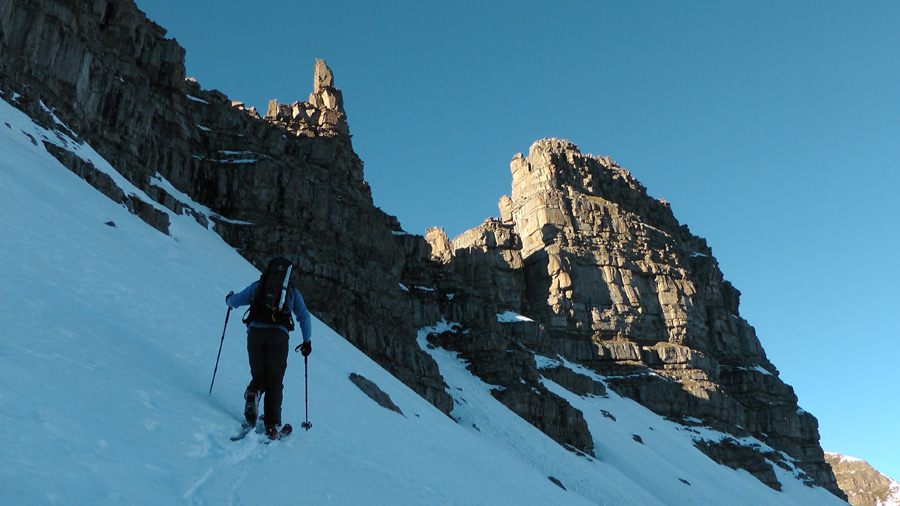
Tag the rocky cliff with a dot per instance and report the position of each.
(605, 274)
(863, 485)
(618, 285)
(288, 183)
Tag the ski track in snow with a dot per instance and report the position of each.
(237, 459)
(108, 344)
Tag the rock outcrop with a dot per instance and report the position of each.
(322, 115)
(616, 284)
(606, 275)
(863, 485)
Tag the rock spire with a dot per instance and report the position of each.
(322, 115)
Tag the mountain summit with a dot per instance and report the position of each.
(616, 284)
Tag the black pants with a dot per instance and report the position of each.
(267, 349)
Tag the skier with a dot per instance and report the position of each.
(271, 300)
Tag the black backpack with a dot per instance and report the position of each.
(270, 300)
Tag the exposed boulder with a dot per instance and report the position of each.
(375, 393)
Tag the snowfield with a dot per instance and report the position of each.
(108, 341)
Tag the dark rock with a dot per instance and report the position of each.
(736, 456)
(103, 182)
(576, 383)
(556, 482)
(374, 392)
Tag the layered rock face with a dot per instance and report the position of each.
(863, 485)
(617, 284)
(608, 277)
(288, 184)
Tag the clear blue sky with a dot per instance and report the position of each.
(772, 127)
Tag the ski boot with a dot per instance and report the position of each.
(251, 406)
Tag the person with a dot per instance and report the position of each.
(267, 348)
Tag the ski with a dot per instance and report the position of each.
(246, 429)
(282, 434)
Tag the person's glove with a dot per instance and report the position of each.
(228, 296)
(305, 348)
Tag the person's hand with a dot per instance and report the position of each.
(305, 348)
(228, 296)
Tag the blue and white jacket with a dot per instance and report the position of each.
(294, 303)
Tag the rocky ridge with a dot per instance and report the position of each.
(863, 485)
(606, 275)
(618, 285)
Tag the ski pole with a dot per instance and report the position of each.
(220, 350)
(306, 425)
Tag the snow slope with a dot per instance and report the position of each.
(108, 340)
